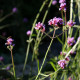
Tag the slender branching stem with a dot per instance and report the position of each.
(13, 64)
(28, 47)
(45, 56)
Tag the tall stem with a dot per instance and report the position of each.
(31, 35)
(13, 64)
(71, 15)
(65, 18)
(45, 56)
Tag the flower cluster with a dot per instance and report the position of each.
(9, 42)
(71, 23)
(8, 68)
(40, 26)
(63, 53)
(71, 41)
(28, 32)
(67, 59)
(72, 52)
(54, 2)
(58, 22)
(1, 58)
(14, 10)
(62, 5)
(62, 63)
(69, 78)
(62, 1)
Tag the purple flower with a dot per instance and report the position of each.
(28, 32)
(50, 22)
(62, 1)
(62, 63)
(25, 20)
(64, 53)
(1, 58)
(9, 42)
(67, 59)
(14, 10)
(54, 2)
(58, 22)
(71, 23)
(8, 68)
(62, 6)
(72, 52)
(40, 26)
(71, 41)
(69, 78)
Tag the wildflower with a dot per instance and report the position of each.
(71, 41)
(62, 6)
(25, 20)
(72, 52)
(9, 42)
(40, 26)
(69, 78)
(1, 58)
(71, 23)
(62, 63)
(50, 22)
(28, 32)
(54, 2)
(8, 68)
(62, 1)
(67, 59)
(58, 22)
(64, 53)
(14, 10)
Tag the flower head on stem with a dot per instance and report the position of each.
(71, 23)
(54, 2)
(10, 46)
(1, 58)
(62, 1)
(58, 22)
(28, 32)
(71, 41)
(14, 10)
(62, 6)
(62, 63)
(40, 26)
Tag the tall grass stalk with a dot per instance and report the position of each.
(13, 64)
(45, 56)
(38, 38)
(71, 15)
(28, 47)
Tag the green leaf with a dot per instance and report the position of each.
(53, 65)
(60, 40)
(38, 64)
(33, 35)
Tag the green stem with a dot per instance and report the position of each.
(51, 74)
(13, 64)
(31, 34)
(71, 14)
(35, 46)
(6, 17)
(45, 57)
(73, 48)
